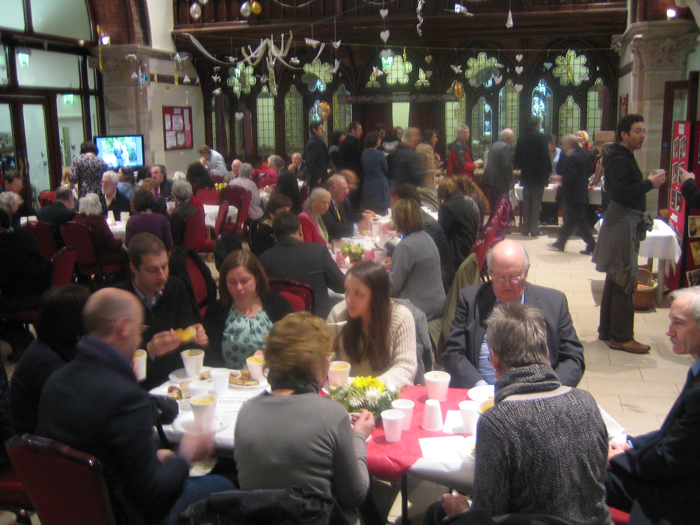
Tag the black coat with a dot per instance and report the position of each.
(24, 273)
(120, 203)
(459, 218)
(624, 182)
(316, 161)
(405, 167)
(574, 169)
(351, 156)
(287, 185)
(532, 156)
(343, 227)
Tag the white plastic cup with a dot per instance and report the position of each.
(220, 376)
(469, 411)
(110, 217)
(405, 406)
(392, 420)
(170, 205)
(140, 360)
(437, 382)
(432, 417)
(255, 367)
(193, 361)
(204, 411)
(657, 171)
(199, 388)
(124, 216)
(338, 373)
(380, 256)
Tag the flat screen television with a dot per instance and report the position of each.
(120, 150)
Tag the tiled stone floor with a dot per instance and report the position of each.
(636, 390)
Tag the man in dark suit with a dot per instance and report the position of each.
(58, 212)
(498, 173)
(466, 351)
(574, 170)
(110, 198)
(307, 262)
(316, 156)
(655, 477)
(94, 404)
(351, 159)
(532, 157)
(341, 219)
(160, 175)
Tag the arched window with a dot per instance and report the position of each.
(293, 121)
(481, 70)
(542, 105)
(569, 117)
(241, 78)
(317, 76)
(221, 129)
(481, 128)
(266, 122)
(242, 128)
(596, 106)
(49, 17)
(454, 112)
(509, 107)
(342, 111)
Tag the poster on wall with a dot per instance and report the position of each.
(177, 127)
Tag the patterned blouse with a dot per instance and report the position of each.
(243, 336)
(88, 170)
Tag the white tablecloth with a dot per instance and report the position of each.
(118, 229)
(550, 194)
(212, 210)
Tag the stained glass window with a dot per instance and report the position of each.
(596, 104)
(241, 78)
(266, 122)
(481, 70)
(570, 68)
(508, 107)
(422, 79)
(242, 138)
(316, 76)
(372, 82)
(398, 72)
(481, 128)
(342, 111)
(542, 105)
(569, 117)
(293, 121)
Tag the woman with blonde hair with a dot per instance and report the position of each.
(415, 270)
(274, 433)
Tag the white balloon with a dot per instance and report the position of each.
(195, 11)
(246, 9)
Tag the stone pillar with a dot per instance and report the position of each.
(659, 51)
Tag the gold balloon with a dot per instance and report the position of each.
(459, 93)
(256, 8)
(324, 110)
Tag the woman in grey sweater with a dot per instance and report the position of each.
(278, 444)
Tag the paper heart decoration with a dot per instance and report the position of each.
(548, 65)
(336, 44)
(498, 80)
(383, 12)
(428, 59)
(386, 53)
(428, 74)
(384, 35)
(518, 87)
(519, 69)
(519, 58)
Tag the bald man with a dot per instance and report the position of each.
(94, 404)
(498, 173)
(466, 354)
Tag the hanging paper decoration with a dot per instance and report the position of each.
(246, 9)
(324, 110)
(384, 35)
(459, 90)
(419, 15)
(195, 11)
(456, 69)
(509, 22)
(256, 8)
(311, 42)
(383, 12)
(336, 44)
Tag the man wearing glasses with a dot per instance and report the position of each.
(466, 354)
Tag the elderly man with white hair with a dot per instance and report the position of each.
(182, 191)
(655, 477)
(110, 198)
(244, 180)
(498, 173)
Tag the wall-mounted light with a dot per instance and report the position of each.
(23, 55)
(671, 13)
(68, 100)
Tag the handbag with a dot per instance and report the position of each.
(164, 410)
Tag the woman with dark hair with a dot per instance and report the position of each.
(198, 176)
(377, 336)
(264, 237)
(376, 186)
(324, 453)
(459, 217)
(334, 151)
(126, 185)
(415, 271)
(145, 220)
(239, 320)
(143, 173)
(58, 329)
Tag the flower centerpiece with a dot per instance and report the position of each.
(365, 392)
(354, 252)
(220, 186)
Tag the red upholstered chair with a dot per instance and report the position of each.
(65, 485)
(14, 497)
(195, 232)
(233, 195)
(79, 237)
(241, 224)
(209, 196)
(209, 245)
(218, 179)
(63, 266)
(43, 234)
(303, 195)
(46, 198)
(197, 203)
(300, 295)
(619, 517)
(266, 181)
(199, 285)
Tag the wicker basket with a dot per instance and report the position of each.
(643, 298)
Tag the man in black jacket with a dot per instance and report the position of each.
(111, 199)
(307, 262)
(316, 156)
(574, 172)
(532, 157)
(351, 159)
(404, 167)
(58, 212)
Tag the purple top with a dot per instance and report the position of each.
(154, 223)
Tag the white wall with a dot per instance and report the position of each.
(160, 15)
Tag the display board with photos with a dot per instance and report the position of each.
(177, 127)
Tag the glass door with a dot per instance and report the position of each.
(7, 143)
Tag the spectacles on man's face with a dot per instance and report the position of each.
(513, 279)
